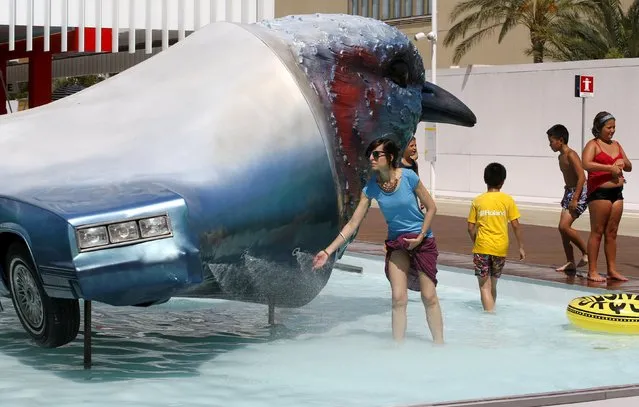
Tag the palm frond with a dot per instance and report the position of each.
(468, 43)
(559, 29)
(632, 22)
(513, 18)
(475, 21)
(470, 5)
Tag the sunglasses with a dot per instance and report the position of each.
(377, 154)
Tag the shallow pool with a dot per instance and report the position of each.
(335, 351)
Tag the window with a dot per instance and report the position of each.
(390, 9)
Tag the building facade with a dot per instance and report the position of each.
(413, 16)
(108, 30)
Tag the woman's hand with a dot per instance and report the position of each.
(413, 243)
(615, 170)
(320, 260)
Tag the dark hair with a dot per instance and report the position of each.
(390, 148)
(494, 175)
(600, 119)
(558, 131)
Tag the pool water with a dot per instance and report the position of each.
(335, 351)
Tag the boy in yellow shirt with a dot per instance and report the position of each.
(488, 220)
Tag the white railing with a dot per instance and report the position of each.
(121, 16)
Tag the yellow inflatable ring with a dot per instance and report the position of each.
(611, 313)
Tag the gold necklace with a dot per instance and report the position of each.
(388, 186)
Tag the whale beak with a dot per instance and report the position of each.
(440, 106)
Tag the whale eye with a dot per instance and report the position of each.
(398, 72)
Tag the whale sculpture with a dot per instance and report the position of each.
(216, 168)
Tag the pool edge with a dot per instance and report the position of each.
(546, 399)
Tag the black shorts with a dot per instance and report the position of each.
(610, 194)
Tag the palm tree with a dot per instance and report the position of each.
(542, 18)
(607, 32)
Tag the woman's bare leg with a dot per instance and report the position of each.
(610, 242)
(398, 266)
(599, 213)
(433, 310)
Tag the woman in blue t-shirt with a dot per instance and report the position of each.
(411, 252)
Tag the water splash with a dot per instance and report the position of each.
(263, 279)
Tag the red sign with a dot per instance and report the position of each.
(584, 86)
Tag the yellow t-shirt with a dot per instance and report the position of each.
(491, 212)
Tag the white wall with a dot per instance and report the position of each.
(515, 105)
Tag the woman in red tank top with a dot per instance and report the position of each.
(605, 161)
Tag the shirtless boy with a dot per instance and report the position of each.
(574, 201)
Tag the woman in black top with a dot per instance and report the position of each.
(409, 160)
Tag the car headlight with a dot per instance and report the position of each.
(119, 233)
(123, 232)
(92, 237)
(156, 226)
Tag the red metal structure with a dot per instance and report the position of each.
(40, 62)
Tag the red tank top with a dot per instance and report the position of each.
(598, 178)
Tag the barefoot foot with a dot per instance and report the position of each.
(570, 266)
(613, 275)
(596, 277)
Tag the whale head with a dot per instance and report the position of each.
(370, 79)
